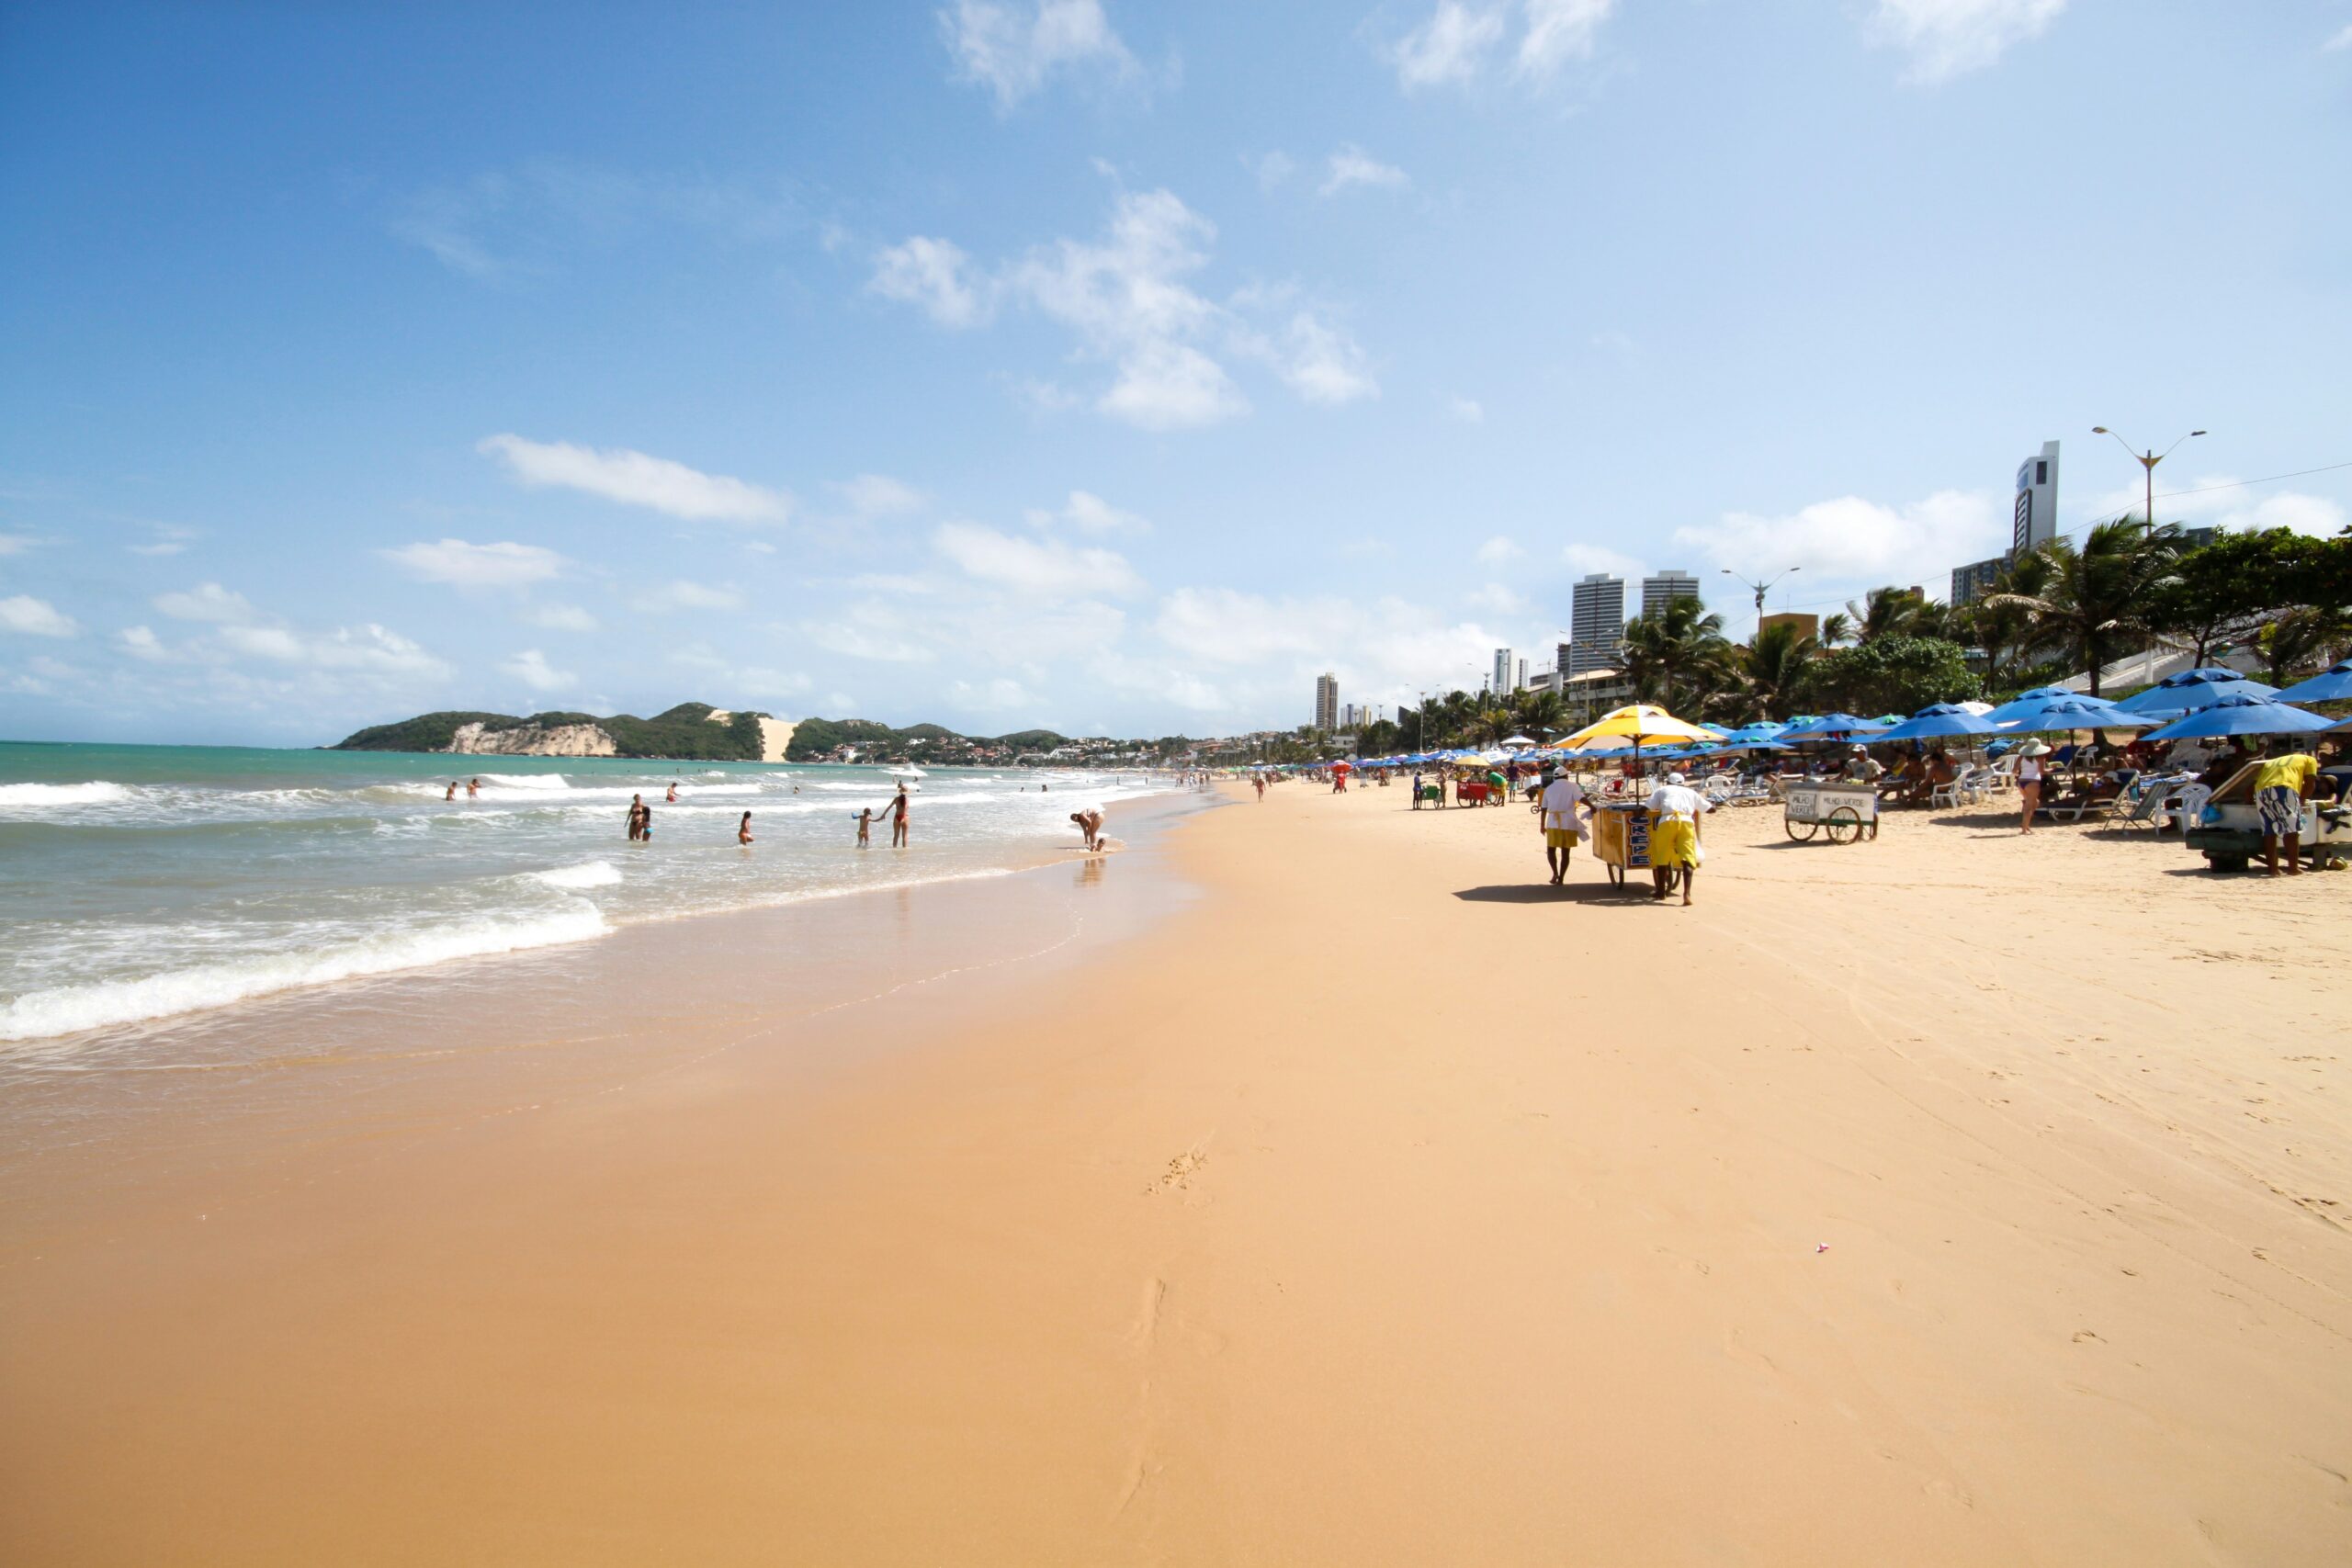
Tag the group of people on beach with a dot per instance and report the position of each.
(1565, 813)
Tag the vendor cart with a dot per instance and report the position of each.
(1843, 811)
(1621, 841)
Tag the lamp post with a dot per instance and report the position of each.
(1759, 587)
(2147, 460)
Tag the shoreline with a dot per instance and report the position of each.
(1372, 1205)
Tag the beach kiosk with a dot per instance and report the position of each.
(1620, 829)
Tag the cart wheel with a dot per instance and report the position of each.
(1673, 879)
(1844, 825)
(1792, 824)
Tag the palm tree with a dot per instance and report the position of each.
(1677, 657)
(1773, 664)
(1541, 714)
(1894, 612)
(1836, 628)
(2302, 639)
(1996, 623)
(1493, 722)
(2099, 599)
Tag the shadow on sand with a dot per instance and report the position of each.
(1543, 893)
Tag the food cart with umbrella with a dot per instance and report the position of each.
(2228, 827)
(1620, 829)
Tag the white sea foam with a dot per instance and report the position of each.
(98, 792)
(65, 1009)
(593, 874)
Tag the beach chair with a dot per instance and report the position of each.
(2101, 799)
(2180, 806)
(1964, 785)
(2000, 778)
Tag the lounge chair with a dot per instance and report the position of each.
(2101, 799)
(1966, 785)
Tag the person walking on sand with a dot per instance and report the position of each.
(1558, 807)
(744, 829)
(897, 809)
(864, 827)
(1674, 809)
(2029, 757)
(1260, 781)
(1089, 826)
(2285, 780)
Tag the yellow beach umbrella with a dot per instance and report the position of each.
(1637, 722)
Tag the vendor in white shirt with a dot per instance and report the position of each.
(1558, 806)
(1674, 810)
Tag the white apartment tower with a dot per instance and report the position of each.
(1500, 683)
(1327, 702)
(1662, 588)
(1596, 624)
(2034, 518)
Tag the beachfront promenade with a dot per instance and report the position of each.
(1953, 1198)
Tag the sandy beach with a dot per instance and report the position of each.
(1308, 1185)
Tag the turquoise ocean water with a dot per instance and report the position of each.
(141, 882)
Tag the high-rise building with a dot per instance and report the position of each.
(1661, 588)
(2034, 518)
(1596, 624)
(1973, 581)
(1520, 683)
(1327, 702)
(1500, 682)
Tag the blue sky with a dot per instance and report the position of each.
(1111, 366)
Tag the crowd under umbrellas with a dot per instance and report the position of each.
(2005, 746)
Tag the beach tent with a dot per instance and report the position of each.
(2334, 685)
(1937, 721)
(1979, 709)
(1519, 742)
(2194, 689)
(2242, 716)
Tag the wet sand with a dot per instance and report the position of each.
(1311, 1187)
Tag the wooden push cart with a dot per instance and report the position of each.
(1621, 841)
(1843, 811)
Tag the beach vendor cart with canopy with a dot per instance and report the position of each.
(2228, 828)
(1841, 810)
(1620, 829)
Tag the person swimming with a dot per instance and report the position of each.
(473, 788)
(453, 790)
(671, 798)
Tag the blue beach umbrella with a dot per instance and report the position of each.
(2242, 716)
(2333, 685)
(1937, 721)
(2075, 713)
(2194, 689)
(2025, 702)
(1830, 726)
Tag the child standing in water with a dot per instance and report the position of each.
(864, 826)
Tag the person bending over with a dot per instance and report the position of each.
(1673, 811)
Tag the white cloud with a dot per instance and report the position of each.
(141, 642)
(1011, 49)
(1002, 694)
(1469, 411)
(558, 618)
(1850, 540)
(870, 632)
(633, 479)
(1351, 166)
(681, 594)
(1042, 569)
(1498, 551)
(2340, 41)
(161, 548)
(1128, 298)
(1090, 513)
(1600, 557)
(206, 602)
(1559, 31)
(532, 669)
(932, 274)
(1496, 599)
(1948, 37)
(1270, 169)
(1450, 47)
(877, 495)
(14, 543)
(1320, 363)
(1382, 652)
(2221, 501)
(30, 616)
(738, 681)
(369, 649)
(462, 565)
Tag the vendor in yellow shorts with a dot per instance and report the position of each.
(1674, 809)
(1558, 807)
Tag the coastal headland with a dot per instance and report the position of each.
(1309, 1186)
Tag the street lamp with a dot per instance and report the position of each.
(2147, 460)
(1760, 587)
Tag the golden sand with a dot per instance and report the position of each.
(1951, 1198)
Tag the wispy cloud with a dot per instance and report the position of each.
(1498, 551)
(2340, 41)
(1460, 39)
(1351, 166)
(558, 618)
(27, 616)
(1950, 38)
(1448, 48)
(1012, 48)
(634, 479)
(1129, 297)
(878, 495)
(369, 649)
(1090, 514)
(461, 565)
(934, 275)
(681, 594)
(1559, 31)
(16, 543)
(532, 669)
(1041, 567)
(206, 602)
(513, 224)
(1469, 411)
